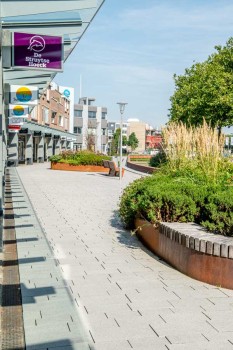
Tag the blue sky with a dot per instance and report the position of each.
(132, 49)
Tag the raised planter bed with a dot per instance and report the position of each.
(142, 168)
(83, 168)
(191, 250)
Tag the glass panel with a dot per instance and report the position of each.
(91, 114)
(54, 18)
(104, 115)
(78, 113)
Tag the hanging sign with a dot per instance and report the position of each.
(34, 51)
(14, 128)
(16, 121)
(18, 111)
(20, 94)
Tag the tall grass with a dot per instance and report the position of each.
(193, 148)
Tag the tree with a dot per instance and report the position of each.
(115, 144)
(205, 91)
(133, 141)
(90, 140)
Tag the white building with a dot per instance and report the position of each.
(90, 125)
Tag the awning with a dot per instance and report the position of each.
(66, 18)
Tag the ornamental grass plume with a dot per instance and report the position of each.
(193, 148)
(178, 145)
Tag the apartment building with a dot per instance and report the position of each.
(45, 132)
(90, 126)
(153, 138)
(139, 128)
(149, 137)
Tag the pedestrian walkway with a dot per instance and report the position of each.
(87, 284)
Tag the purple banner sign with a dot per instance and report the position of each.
(38, 51)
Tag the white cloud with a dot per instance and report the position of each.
(171, 16)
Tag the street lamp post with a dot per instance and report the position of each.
(122, 108)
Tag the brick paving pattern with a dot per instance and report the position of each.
(121, 296)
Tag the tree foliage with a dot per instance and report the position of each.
(133, 141)
(115, 144)
(205, 91)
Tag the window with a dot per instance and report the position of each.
(91, 131)
(78, 113)
(53, 116)
(60, 120)
(103, 131)
(104, 115)
(67, 104)
(66, 123)
(91, 114)
(34, 113)
(45, 115)
(48, 94)
(77, 130)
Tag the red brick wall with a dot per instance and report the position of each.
(53, 100)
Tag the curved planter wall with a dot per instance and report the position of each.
(142, 168)
(84, 168)
(191, 250)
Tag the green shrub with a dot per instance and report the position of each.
(158, 159)
(80, 158)
(161, 198)
(218, 212)
(175, 198)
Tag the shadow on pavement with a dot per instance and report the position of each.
(123, 236)
(12, 294)
(23, 261)
(64, 344)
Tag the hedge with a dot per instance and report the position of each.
(79, 158)
(174, 199)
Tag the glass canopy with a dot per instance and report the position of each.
(66, 18)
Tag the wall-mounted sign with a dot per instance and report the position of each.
(16, 121)
(37, 51)
(68, 92)
(14, 128)
(20, 94)
(18, 111)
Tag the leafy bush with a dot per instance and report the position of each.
(171, 198)
(160, 198)
(194, 182)
(79, 158)
(157, 159)
(218, 212)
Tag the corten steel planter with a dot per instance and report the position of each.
(83, 168)
(215, 270)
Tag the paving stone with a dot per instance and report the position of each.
(160, 299)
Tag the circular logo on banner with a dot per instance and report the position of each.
(66, 93)
(18, 111)
(37, 43)
(24, 94)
